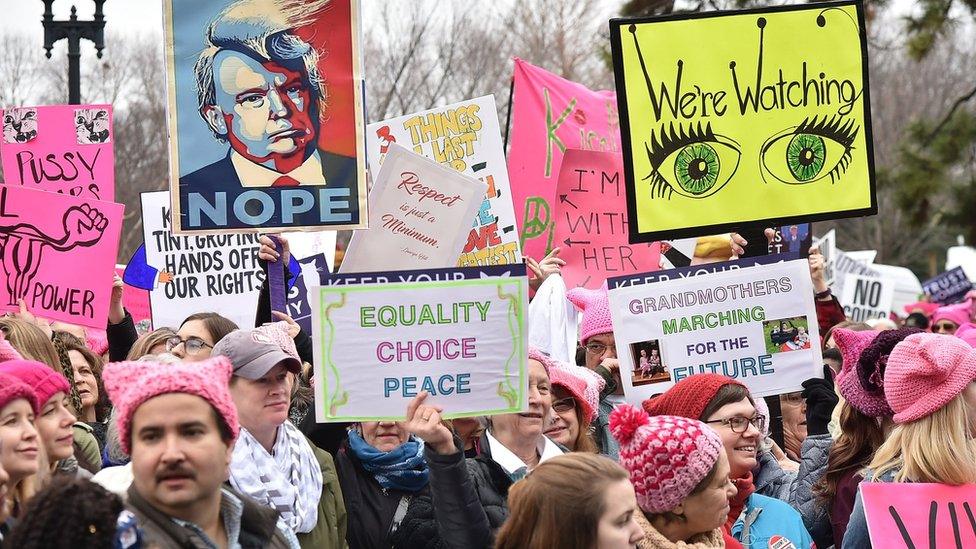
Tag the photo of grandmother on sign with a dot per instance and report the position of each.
(757, 117)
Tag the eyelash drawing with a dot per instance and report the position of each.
(669, 140)
(837, 129)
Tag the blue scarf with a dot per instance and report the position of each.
(403, 468)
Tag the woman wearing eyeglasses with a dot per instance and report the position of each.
(948, 319)
(763, 507)
(600, 356)
(575, 397)
(198, 334)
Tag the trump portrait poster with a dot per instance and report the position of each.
(744, 118)
(265, 115)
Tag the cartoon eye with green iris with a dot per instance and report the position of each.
(809, 152)
(693, 162)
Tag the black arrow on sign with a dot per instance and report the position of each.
(570, 243)
(562, 198)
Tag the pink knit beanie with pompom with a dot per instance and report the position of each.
(667, 456)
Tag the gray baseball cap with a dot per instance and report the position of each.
(254, 354)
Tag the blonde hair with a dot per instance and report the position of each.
(30, 342)
(938, 448)
(146, 342)
(21, 493)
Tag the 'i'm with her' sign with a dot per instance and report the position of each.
(746, 118)
(463, 340)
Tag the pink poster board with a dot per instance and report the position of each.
(550, 115)
(136, 301)
(904, 515)
(591, 221)
(67, 149)
(57, 253)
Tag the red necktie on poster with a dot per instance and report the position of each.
(285, 181)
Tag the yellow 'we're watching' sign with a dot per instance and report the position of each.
(731, 119)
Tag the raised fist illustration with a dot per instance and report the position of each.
(83, 226)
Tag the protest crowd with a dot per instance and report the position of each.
(704, 374)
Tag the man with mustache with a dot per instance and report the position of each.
(179, 424)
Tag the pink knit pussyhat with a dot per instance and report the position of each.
(851, 344)
(582, 383)
(129, 384)
(967, 333)
(537, 355)
(958, 314)
(667, 456)
(12, 388)
(7, 351)
(925, 372)
(595, 306)
(38, 376)
(925, 307)
(97, 341)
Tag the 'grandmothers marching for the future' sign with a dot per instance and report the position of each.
(756, 324)
(379, 345)
(741, 118)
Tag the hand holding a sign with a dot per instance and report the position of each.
(293, 327)
(817, 264)
(424, 421)
(550, 265)
(821, 400)
(269, 252)
(28, 317)
(116, 311)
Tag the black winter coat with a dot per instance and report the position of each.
(468, 503)
(369, 507)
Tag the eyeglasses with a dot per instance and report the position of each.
(192, 344)
(595, 348)
(740, 424)
(944, 327)
(564, 404)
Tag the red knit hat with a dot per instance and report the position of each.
(688, 397)
(667, 456)
(12, 388)
(38, 376)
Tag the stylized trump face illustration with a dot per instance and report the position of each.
(264, 109)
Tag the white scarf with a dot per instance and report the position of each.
(290, 481)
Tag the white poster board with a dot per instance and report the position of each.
(755, 324)
(419, 216)
(211, 272)
(828, 249)
(466, 137)
(378, 345)
(866, 297)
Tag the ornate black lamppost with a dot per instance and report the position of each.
(74, 30)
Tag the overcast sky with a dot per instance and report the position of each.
(145, 16)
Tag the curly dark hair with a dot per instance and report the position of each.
(69, 513)
(873, 360)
